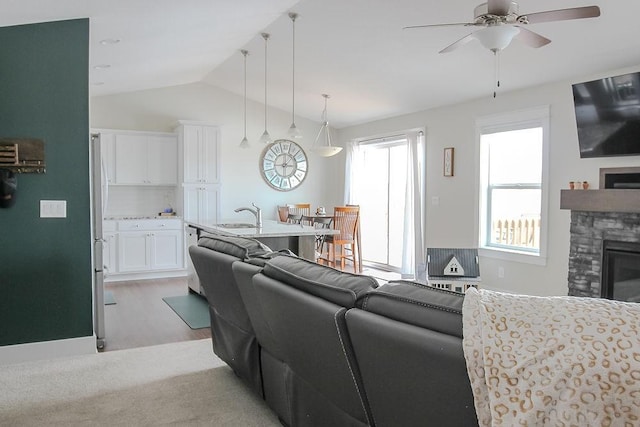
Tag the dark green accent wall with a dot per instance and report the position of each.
(45, 264)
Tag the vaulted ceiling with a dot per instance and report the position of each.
(354, 50)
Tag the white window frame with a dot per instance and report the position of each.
(523, 119)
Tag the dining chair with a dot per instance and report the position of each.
(307, 220)
(293, 218)
(343, 246)
(300, 209)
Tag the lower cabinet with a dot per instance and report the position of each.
(134, 251)
(145, 246)
(201, 203)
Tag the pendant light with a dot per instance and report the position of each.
(245, 142)
(265, 138)
(322, 145)
(293, 131)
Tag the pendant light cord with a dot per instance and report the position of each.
(266, 38)
(496, 55)
(245, 53)
(293, 17)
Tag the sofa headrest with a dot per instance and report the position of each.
(417, 304)
(261, 260)
(324, 282)
(239, 247)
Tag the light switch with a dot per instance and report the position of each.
(53, 208)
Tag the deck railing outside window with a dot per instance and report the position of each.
(521, 232)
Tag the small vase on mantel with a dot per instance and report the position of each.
(585, 185)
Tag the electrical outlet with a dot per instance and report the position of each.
(500, 272)
(53, 208)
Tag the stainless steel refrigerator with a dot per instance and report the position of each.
(100, 195)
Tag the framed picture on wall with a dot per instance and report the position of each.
(448, 161)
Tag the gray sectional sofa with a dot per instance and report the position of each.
(328, 348)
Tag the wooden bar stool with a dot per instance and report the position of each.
(345, 219)
(358, 240)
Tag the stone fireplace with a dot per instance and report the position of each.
(605, 238)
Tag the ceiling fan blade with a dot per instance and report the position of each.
(530, 38)
(464, 24)
(466, 39)
(561, 14)
(498, 7)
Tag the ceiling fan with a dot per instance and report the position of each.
(501, 23)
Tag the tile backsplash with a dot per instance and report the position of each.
(139, 200)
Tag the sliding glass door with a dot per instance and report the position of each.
(381, 194)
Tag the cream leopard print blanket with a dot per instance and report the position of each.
(558, 361)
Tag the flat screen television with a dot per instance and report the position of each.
(608, 116)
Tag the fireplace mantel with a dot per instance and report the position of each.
(604, 200)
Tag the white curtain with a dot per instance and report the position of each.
(413, 253)
(353, 168)
(413, 256)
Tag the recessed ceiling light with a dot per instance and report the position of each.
(101, 66)
(109, 41)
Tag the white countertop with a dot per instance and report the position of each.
(138, 217)
(270, 228)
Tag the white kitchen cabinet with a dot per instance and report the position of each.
(143, 158)
(201, 203)
(149, 245)
(134, 251)
(166, 250)
(199, 146)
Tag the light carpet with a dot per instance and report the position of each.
(177, 384)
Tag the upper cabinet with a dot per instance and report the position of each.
(199, 145)
(146, 159)
(139, 158)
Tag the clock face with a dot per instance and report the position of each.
(283, 165)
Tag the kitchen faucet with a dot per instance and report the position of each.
(257, 212)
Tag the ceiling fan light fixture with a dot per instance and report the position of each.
(496, 37)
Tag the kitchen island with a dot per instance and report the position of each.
(300, 239)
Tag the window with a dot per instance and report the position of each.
(513, 185)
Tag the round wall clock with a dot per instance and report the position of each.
(283, 165)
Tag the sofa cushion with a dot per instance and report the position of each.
(324, 282)
(239, 247)
(418, 305)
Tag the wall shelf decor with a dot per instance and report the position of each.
(448, 161)
(22, 155)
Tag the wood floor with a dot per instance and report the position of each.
(141, 318)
